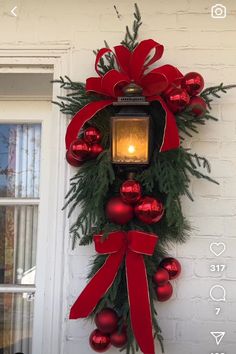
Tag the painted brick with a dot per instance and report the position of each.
(207, 225)
(230, 226)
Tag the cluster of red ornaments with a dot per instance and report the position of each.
(168, 269)
(85, 148)
(120, 210)
(107, 333)
(185, 95)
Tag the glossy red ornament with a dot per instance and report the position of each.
(149, 210)
(72, 159)
(197, 106)
(95, 150)
(177, 99)
(164, 292)
(193, 83)
(99, 341)
(131, 191)
(161, 276)
(119, 339)
(172, 266)
(107, 321)
(92, 135)
(80, 149)
(118, 211)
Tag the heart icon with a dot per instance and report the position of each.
(217, 248)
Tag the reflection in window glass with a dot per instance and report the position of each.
(16, 319)
(20, 160)
(18, 227)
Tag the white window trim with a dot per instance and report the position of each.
(51, 283)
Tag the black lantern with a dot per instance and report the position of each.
(130, 129)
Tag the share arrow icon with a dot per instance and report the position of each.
(218, 336)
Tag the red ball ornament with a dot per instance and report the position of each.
(177, 99)
(161, 276)
(130, 191)
(80, 149)
(172, 266)
(99, 341)
(197, 106)
(149, 210)
(118, 211)
(107, 321)
(164, 292)
(119, 339)
(193, 83)
(92, 135)
(95, 150)
(72, 159)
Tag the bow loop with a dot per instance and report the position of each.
(154, 83)
(123, 56)
(113, 81)
(99, 56)
(139, 62)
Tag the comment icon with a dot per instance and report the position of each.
(218, 293)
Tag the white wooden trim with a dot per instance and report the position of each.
(5, 288)
(25, 98)
(50, 301)
(22, 69)
(23, 201)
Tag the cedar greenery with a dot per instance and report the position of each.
(167, 178)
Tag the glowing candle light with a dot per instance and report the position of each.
(130, 140)
(131, 149)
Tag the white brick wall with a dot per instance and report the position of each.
(193, 41)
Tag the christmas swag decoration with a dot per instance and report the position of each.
(127, 138)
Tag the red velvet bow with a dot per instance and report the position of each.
(131, 246)
(133, 66)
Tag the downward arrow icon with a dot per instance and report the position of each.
(13, 11)
(218, 336)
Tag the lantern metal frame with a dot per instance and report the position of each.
(132, 107)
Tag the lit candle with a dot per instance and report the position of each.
(131, 149)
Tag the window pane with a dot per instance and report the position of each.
(20, 160)
(16, 319)
(18, 225)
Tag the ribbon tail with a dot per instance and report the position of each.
(140, 311)
(97, 287)
(170, 140)
(81, 117)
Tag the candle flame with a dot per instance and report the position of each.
(131, 149)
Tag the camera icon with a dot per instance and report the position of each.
(218, 11)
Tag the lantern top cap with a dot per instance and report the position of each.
(132, 89)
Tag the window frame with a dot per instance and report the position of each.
(53, 243)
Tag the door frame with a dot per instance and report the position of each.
(51, 281)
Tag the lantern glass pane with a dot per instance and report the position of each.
(130, 140)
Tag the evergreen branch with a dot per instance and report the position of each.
(209, 116)
(201, 162)
(130, 40)
(109, 63)
(89, 189)
(214, 92)
(68, 84)
(188, 124)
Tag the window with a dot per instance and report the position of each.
(24, 132)
(19, 182)
(31, 294)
